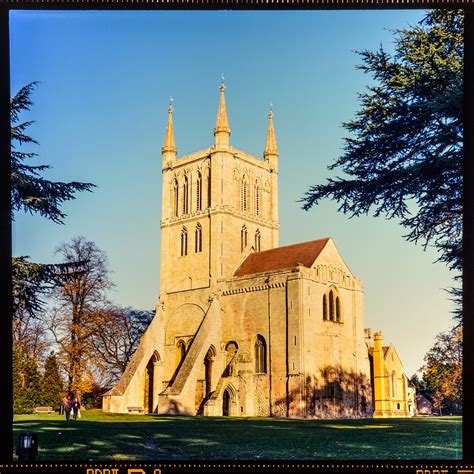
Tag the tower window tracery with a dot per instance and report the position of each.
(258, 199)
(244, 194)
(209, 188)
(243, 238)
(184, 242)
(199, 192)
(257, 241)
(198, 238)
(175, 198)
(185, 195)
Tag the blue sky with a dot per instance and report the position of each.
(100, 112)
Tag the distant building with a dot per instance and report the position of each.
(424, 406)
(411, 396)
(390, 397)
(244, 327)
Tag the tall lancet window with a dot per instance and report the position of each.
(199, 192)
(243, 238)
(244, 189)
(198, 238)
(260, 355)
(331, 306)
(209, 188)
(258, 199)
(184, 241)
(338, 310)
(175, 198)
(185, 195)
(257, 241)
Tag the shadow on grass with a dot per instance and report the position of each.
(109, 437)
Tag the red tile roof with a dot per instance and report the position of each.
(282, 257)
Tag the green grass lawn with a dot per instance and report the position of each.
(101, 436)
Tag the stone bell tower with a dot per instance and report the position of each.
(217, 204)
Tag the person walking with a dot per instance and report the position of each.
(67, 407)
(75, 408)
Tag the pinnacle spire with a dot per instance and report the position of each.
(222, 130)
(169, 144)
(271, 148)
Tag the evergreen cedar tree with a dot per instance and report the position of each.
(403, 158)
(29, 191)
(30, 388)
(51, 383)
(30, 281)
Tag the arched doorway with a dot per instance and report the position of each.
(151, 383)
(204, 381)
(226, 399)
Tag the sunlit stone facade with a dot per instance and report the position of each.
(244, 327)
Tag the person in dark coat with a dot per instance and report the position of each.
(67, 406)
(75, 408)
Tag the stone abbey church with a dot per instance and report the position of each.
(244, 327)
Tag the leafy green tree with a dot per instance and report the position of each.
(442, 373)
(26, 383)
(51, 383)
(422, 385)
(18, 384)
(30, 191)
(403, 159)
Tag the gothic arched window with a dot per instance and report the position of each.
(243, 238)
(184, 241)
(209, 188)
(199, 192)
(198, 238)
(394, 381)
(331, 306)
(175, 198)
(231, 350)
(260, 355)
(258, 199)
(180, 352)
(185, 195)
(257, 241)
(244, 194)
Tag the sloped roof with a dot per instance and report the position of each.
(282, 257)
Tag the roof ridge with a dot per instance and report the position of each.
(279, 258)
(292, 245)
